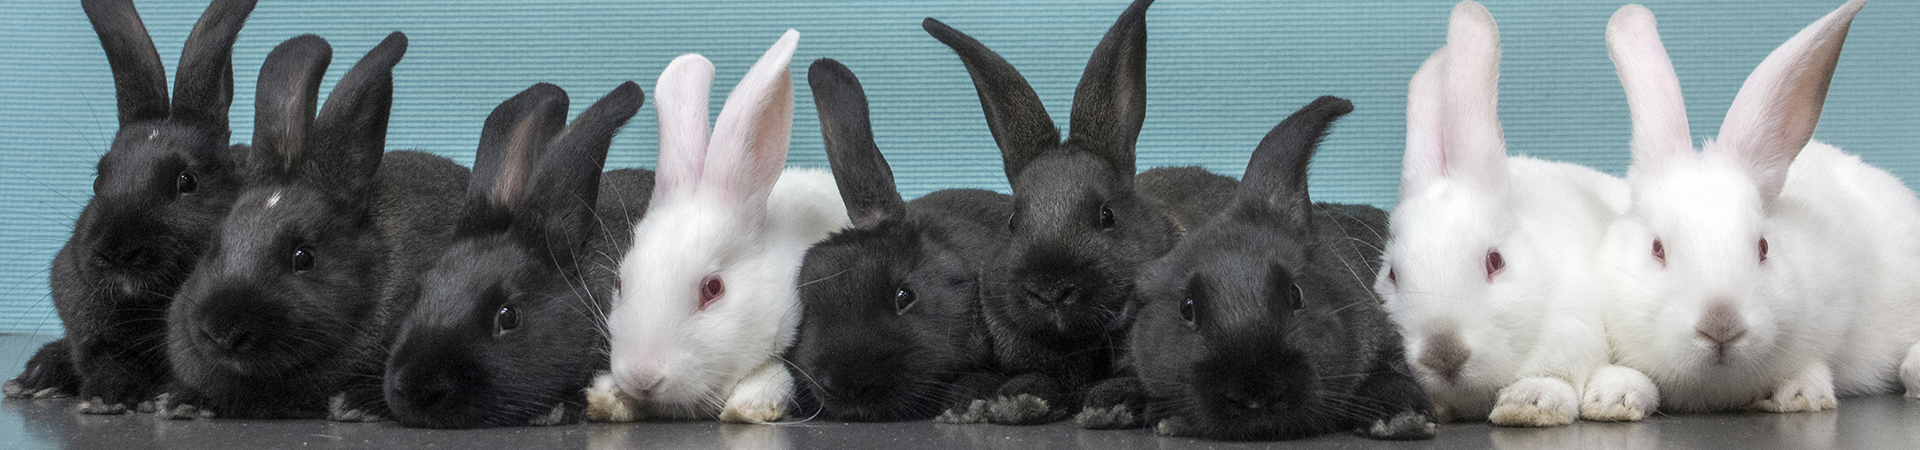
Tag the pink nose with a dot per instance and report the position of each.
(638, 381)
(1721, 326)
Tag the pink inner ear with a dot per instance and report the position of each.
(680, 100)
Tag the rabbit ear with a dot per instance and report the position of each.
(866, 183)
(1777, 108)
(513, 136)
(1425, 159)
(287, 93)
(1658, 111)
(203, 84)
(1111, 101)
(566, 180)
(350, 134)
(750, 138)
(680, 101)
(1276, 177)
(1475, 146)
(139, 78)
(1019, 122)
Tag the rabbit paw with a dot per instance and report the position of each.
(1619, 394)
(752, 411)
(100, 406)
(1173, 426)
(171, 407)
(556, 417)
(1536, 402)
(1110, 418)
(338, 411)
(1023, 409)
(606, 403)
(761, 397)
(1811, 391)
(1910, 371)
(14, 389)
(974, 412)
(1405, 426)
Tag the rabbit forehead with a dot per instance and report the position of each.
(470, 282)
(1060, 172)
(859, 268)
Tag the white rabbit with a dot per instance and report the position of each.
(1749, 278)
(708, 300)
(1491, 258)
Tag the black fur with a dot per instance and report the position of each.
(252, 335)
(1287, 338)
(858, 356)
(139, 237)
(540, 238)
(1080, 228)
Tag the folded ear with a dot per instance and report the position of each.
(1111, 102)
(566, 180)
(1774, 114)
(680, 101)
(1654, 102)
(139, 78)
(1019, 122)
(351, 131)
(287, 94)
(750, 137)
(866, 183)
(1276, 177)
(513, 137)
(203, 84)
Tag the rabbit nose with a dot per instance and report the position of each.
(1445, 355)
(125, 255)
(431, 391)
(1721, 326)
(1064, 293)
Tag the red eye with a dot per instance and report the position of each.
(1660, 252)
(1391, 278)
(1763, 249)
(711, 289)
(1495, 263)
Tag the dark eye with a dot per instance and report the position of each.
(186, 184)
(1495, 263)
(506, 320)
(302, 259)
(1763, 249)
(1010, 222)
(711, 289)
(1106, 217)
(1660, 252)
(1299, 299)
(1186, 311)
(902, 299)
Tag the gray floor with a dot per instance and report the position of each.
(1875, 422)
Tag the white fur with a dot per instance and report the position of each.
(1832, 308)
(722, 208)
(1533, 331)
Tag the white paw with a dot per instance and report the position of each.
(1910, 371)
(1536, 402)
(1811, 391)
(1619, 394)
(753, 410)
(1023, 409)
(166, 407)
(555, 417)
(606, 403)
(101, 406)
(338, 411)
(974, 412)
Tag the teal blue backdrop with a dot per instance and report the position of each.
(1220, 73)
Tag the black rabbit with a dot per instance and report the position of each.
(1262, 324)
(1081, 225)
(506, 330)
(890, 326)
(169, 176)
(289, 314)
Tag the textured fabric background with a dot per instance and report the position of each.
(1221, 73)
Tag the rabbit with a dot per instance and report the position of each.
(1702, 304)
(500, 335)
(168, 177)
(1490, 267)
(289, 314)
(1260, 324)
(707, 302)
(890, 328)
(1082, 225)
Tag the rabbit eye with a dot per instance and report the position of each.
(1186, 312)
(506, 320)
(1392, 278)
(1660, 251)
(1763, 249)
(186, 184)
(902, 299)
(302, 259)
(1299, 299)
(1010, 222)
(1495, 263)
(711, 289)
(1106, 217)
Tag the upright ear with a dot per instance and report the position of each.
(1276, 177)
(680, 101)
(749, 144)
(513, 137)
(566, 180)
(1019, 122)
(1111, 102)
(866, 183)
(1474, 149)
(1659, 113)
(287, 93)
(1774, 114)
(351, 132)
(139, 78)
(1425, 158)
(203, 84)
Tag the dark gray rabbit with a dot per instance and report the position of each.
(1262, 324)
(506, 330)
(1082, 225)
(289, 314)
(890, 327)
(169, 176)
